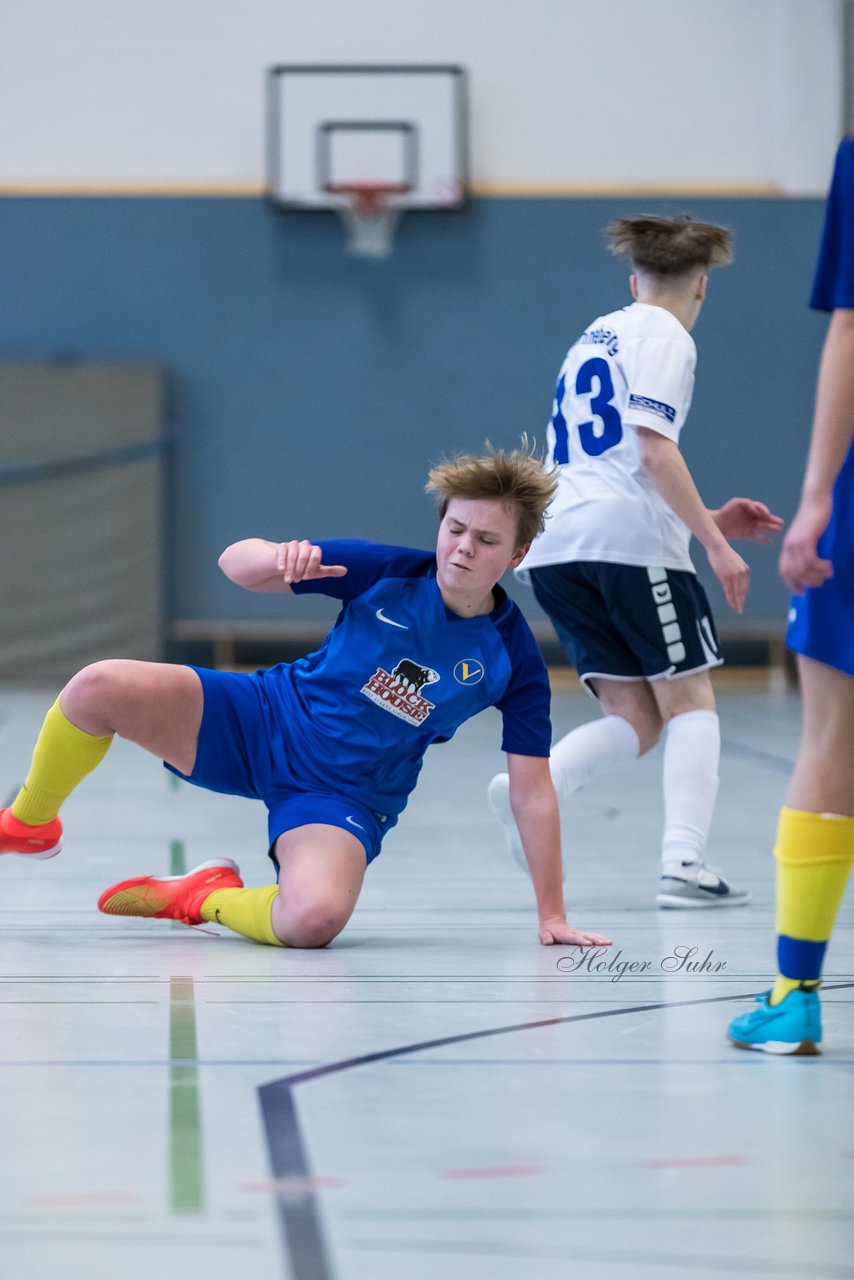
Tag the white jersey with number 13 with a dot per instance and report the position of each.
(632, 368)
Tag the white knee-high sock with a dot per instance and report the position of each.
(591, 749)
(692, 749)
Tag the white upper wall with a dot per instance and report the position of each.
(584, 94)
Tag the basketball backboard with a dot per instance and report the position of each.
(367, 140)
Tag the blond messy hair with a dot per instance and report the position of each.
(514, 476)
(669, 246)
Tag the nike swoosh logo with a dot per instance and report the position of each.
(716, 890)
(352, 821)
(390, 621)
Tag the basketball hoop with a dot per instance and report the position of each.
(368, 216)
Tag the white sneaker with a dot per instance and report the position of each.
(498, 795)
(696, 884)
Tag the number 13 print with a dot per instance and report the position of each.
(593, 379)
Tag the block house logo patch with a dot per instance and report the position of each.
(400, 691)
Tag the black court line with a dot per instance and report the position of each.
(299, 1219)
(297, 1209)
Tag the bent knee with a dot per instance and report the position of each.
(97, 675)
(313, 924)
(635, 703)
(646, 722)
(92, 688)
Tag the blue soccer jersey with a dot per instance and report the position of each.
(398, 672)
(821, 621)
(834, 277)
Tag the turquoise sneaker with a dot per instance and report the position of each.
(792, 1026)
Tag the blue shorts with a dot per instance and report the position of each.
(628, 622)
(239, 754)
(821, 621)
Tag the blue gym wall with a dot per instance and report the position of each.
(309, 392)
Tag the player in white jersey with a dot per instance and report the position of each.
(612, 568)
(607, 507)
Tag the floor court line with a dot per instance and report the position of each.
(686, 1263)
(300, 1224)
(451, 920)
(602, 1215)
(731, 1060)
(177, 858)
(186, 1182)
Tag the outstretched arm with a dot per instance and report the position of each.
(832, 433)
(668, 472)
(746, 518)
(534, 805)
(259, 565)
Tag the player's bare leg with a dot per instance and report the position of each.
(823, 780)
(631, 700)
(322, 871)
(683, 695)
(156, 705)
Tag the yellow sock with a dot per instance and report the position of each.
(62, 757)
(783, 986)
(814, 853)
(245, 911)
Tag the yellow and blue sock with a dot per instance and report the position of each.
(814, 853)
(62, 757)
(244, 911)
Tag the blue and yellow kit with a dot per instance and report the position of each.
(340, 735)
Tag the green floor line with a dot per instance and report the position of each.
(187, 1191)
(177, 858)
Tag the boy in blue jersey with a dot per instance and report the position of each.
(332, 744)
(815, 836)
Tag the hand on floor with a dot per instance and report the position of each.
(558, 932)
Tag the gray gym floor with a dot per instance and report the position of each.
(435, 1095)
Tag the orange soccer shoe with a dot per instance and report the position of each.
(171, 897)
(44, 841)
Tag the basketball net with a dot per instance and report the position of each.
(367, 216)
